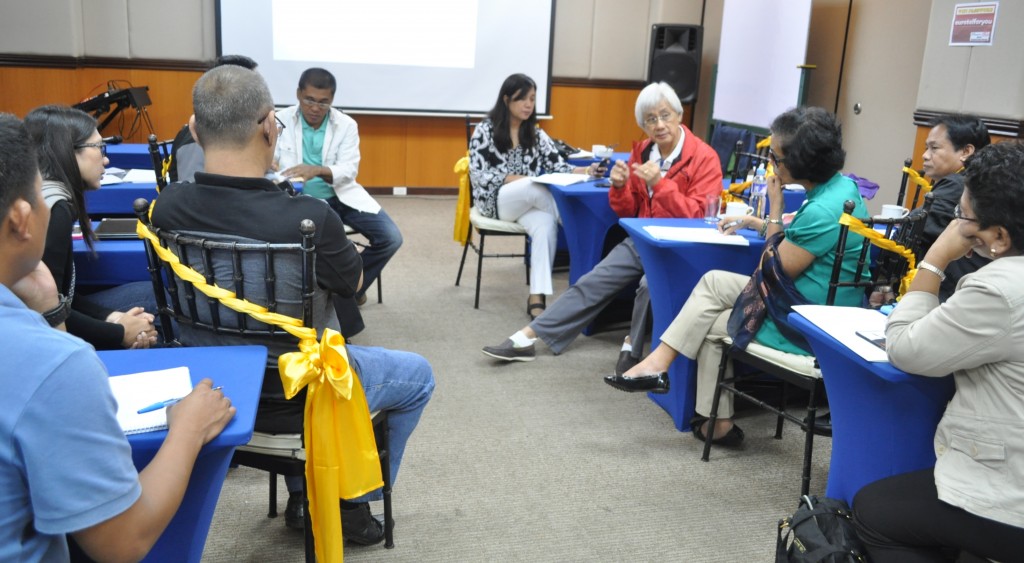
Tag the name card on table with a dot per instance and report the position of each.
(844, 324)
(694, 234)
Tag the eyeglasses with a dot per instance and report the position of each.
(775, 158)
(959, 214)
(311, 103)
(666, 117)
(101, 145)
(280, 124)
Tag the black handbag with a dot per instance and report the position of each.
(821, 530)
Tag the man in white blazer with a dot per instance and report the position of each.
(320, 145)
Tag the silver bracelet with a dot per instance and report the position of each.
(922, 265)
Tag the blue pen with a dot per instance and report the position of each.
(165, 404)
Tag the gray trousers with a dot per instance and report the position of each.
(564, 319)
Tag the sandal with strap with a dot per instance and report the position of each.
(540, 307)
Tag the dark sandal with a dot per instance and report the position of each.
(733, 438)
(531, 307)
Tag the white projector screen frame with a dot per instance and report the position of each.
(763, 44)
(447, 73)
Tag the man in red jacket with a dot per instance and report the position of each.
(668, 175)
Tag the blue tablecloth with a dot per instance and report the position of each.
(883, 419)
(239, 370)
(114, 262)
(130, 155)
(118, 199)
(673, 269)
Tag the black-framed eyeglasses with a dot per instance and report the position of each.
(280, 124)
(310, 102)
(100, 145)
(959, 214)
(775, 158)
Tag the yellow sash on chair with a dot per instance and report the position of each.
(465, 201)
(878, 239)
(341, 453)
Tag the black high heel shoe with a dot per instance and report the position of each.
(531, 307)
(654, 383)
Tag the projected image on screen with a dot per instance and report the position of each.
(405, 56)
(384, 33)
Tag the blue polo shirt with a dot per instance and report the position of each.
(65, 464)
(815, 228)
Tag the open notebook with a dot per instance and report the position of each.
(137, 390)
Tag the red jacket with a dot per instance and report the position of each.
(680, 194)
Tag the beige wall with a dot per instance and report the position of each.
(989, 80)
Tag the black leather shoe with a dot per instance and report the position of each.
(625, 363)
(358, 526)
(295, 512)
(657, 383)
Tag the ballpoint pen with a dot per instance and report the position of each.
(163, 404)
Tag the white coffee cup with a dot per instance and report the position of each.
(891, 211)
(601, 151)
(737, 208)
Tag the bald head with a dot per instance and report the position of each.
(229, 102)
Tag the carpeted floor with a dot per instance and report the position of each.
(536, 461)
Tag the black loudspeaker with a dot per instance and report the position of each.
(675, 58)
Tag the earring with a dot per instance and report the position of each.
(993, 251)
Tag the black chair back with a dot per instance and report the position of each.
(277, 276)
(160, 154)
(888, 268)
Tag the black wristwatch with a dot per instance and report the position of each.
(60, 313)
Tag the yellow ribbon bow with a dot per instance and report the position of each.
(341, 453)
(465, 201)
(878, 239)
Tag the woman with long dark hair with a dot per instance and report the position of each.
(506, 150)
(72, 156)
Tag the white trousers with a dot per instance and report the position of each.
(531, 205)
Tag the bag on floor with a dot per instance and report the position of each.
(821, 530)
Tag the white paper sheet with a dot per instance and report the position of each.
(842, 323)
(561, 178)
(137, 390)
(694, 234)
(140, 175)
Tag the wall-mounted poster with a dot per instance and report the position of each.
(973, 24)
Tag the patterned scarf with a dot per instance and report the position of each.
(753, 304)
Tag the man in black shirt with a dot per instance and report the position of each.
(236, 126)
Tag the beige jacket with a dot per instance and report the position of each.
(978, 334)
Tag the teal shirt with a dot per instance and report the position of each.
(815, 228)
(312, 153)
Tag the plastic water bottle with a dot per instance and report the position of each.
(759, 193)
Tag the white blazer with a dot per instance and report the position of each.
(340, 154)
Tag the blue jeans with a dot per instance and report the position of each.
(124, 297)
(400, 383)
(379, 229)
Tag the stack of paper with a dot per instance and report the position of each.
(140, 175)
(561, 178)
(138, 390)
(843, 324)
(694, 234)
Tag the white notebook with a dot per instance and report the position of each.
(137, 390)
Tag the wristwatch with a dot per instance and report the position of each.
(60, 313)
(922, 265)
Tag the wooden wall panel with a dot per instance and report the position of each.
(416, 152)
